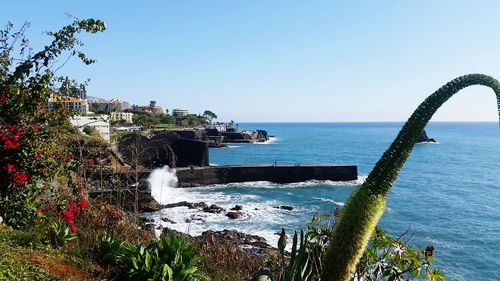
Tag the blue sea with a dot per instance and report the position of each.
(447, 195)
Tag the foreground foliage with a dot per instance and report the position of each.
(167, 258)
(386, 258)
(36, 165)
(27, 255)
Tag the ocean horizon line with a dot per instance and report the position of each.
(356, 122)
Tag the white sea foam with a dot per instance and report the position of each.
(304, 184)
(428, 142)
(270, 140)
(233, 146)
(162, 183)
(341, 204)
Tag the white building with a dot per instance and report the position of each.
(177, 112)
(70, 103)
(122, 116)
(97, 122)
(127, 129)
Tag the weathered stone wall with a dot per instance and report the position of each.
(279, 174)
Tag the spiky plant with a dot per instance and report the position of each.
(366, 204)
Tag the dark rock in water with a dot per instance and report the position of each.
(174, 205)
(236, 208)
(167, 231)
(234, 215)
(251, 243)
(424, 138)
(168, 220)
(148, 226)
(146, 223)
(201, 205)
(149, 205)
(159, 227)
(214, 209)
(185, 204)
(145, 220)
(256, 243)
(194, 218)
(284, 207)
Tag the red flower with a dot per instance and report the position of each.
(73, 228)
(10, 168)
(10, 136)
(38, 154)
(3, 99)
(75, 208)
(20, 178)
(84, 203)
(69, 216)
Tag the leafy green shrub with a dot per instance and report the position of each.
(24, 272)
(390, 258)
(166, 258)
(225, 260)
(91, 131)
(299, 266)
(386, 258)
(61, 234)
(36, 237)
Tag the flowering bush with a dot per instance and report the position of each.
(35, 163)
(63, 215)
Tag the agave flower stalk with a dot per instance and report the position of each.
(367, 203)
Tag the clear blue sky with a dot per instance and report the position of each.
(282, 60)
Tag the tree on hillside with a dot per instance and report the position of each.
(209, 115)
(71, 88)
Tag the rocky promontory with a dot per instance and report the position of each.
(424, 138)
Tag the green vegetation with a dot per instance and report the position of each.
(91, 131)
(367, 203)
(166, 258)
(104, 108)
(36, 166)
(150, 119)
(386, 258)
(209, 115)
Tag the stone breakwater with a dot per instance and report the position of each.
(199, 176)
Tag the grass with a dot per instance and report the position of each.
(24, 256)
(29, 255)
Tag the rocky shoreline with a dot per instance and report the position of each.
(252, 243)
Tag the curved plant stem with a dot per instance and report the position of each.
(367, 203)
